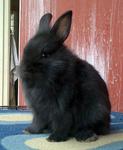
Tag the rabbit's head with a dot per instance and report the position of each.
(48, 40)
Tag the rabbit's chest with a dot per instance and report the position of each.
(38, 97)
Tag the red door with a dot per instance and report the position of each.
(96, 35)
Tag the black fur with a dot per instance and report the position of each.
(66, 94)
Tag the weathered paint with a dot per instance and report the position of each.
(96, 35)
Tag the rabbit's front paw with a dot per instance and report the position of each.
(57, 138)
(86, 135)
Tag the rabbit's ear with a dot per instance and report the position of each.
(62, 26)
(44, 24)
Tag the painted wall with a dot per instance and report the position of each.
(4, 51)
(96, 35)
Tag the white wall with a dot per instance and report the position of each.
(4, 51)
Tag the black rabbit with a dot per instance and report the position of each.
(66, 94)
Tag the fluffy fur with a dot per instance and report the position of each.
(67, 96)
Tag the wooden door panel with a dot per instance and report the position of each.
(96, 35)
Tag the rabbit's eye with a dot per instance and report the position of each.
(44, 55)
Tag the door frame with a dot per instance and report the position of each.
(4, 51)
